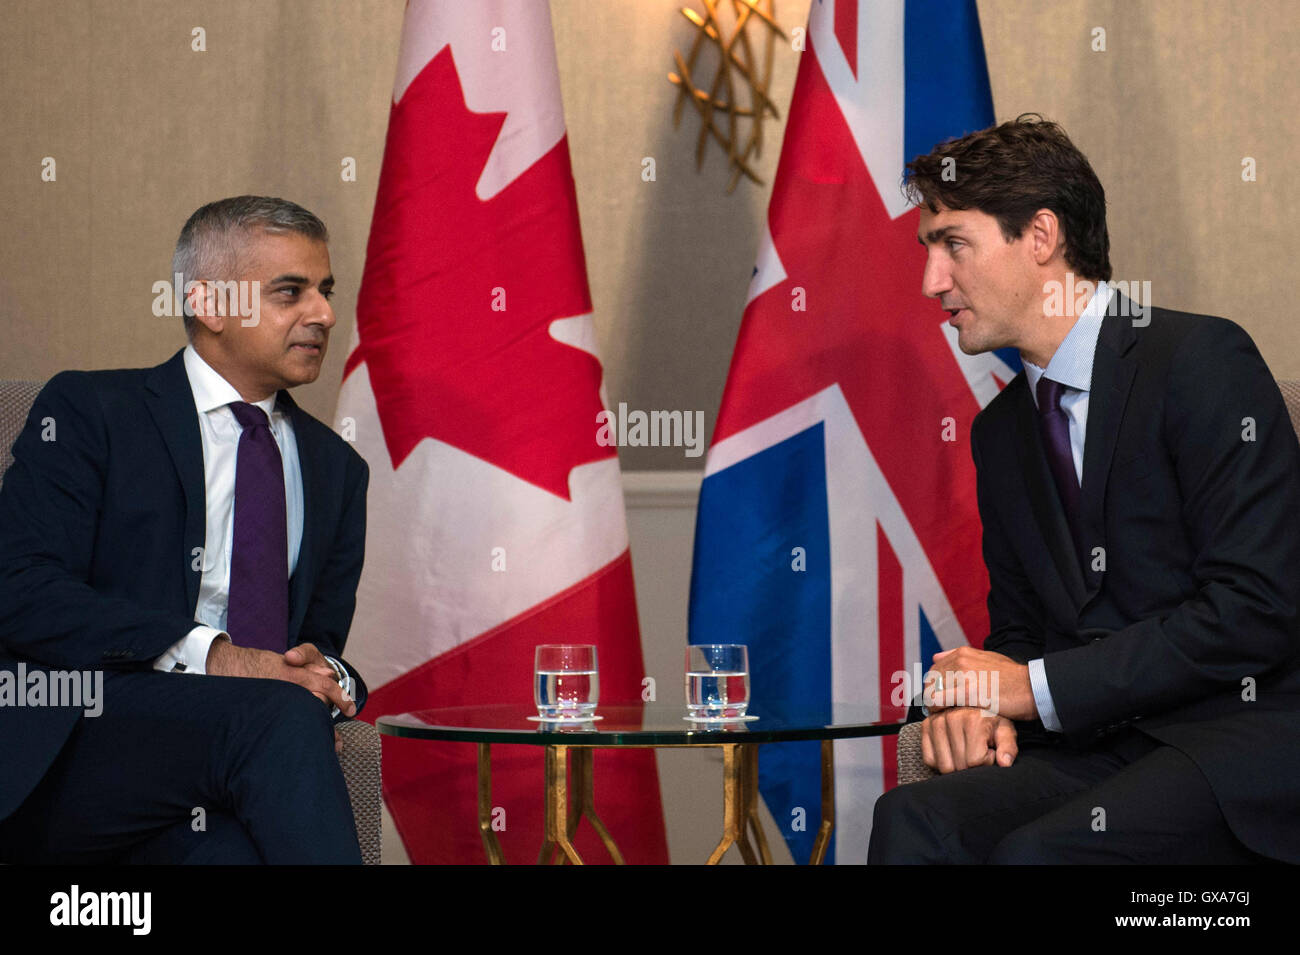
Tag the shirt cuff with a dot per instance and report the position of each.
(1043, 696)
(190, 653)
(345, 680)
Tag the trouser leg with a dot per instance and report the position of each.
(1159, 809)
(959, 817)
(216, 838)
(169, 747)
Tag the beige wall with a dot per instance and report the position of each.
(1184, 91)
(144, 130)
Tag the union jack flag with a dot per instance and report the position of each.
(838, 534)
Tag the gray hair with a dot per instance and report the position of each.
(209, 243)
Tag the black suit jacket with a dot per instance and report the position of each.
(1185, 621)
(98, 535)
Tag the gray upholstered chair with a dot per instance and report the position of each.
(911, 768)
(361, 749)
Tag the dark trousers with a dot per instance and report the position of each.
(182, 768)
(1128, 800)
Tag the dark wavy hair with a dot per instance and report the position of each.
(1011, 171)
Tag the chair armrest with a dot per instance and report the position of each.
(911, 767)
(360, 761)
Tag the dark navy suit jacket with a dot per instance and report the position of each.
(1185, 622)
(98, 535)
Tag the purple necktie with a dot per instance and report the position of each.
(258, 611)
(1054, 426)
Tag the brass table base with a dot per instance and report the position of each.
(561, 819)
(739, 806)
(491, 845)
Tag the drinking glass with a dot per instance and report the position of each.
(566, 683)
(717, 681)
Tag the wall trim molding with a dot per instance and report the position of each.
(662, 488)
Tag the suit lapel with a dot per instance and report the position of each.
(1044, 500)
(1113, 369)
(170, 401)
(311, 471)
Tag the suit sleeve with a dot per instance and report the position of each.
(334, 599)
(49, 508)
(1015, 612)
(1237, 463)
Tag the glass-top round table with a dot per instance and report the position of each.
(642, 725)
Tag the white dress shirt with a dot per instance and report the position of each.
(220, 432)
(1071, 365)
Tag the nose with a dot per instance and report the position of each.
(937, 279)
(322, 313)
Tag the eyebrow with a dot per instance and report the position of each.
(290, 279)
(934, 235)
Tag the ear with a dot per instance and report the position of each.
(201, 297)
(1045, 237)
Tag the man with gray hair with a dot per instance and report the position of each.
(194, 534)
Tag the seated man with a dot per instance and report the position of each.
(192, 540)
(1139, 487)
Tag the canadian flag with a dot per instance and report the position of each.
(472, 388)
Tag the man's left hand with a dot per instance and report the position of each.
(983, 679)
(307, 655)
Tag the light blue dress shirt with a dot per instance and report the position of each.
(1071, 365)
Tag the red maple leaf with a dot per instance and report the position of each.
(443, 362)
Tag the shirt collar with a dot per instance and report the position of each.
(210, 390)
(1071, 365)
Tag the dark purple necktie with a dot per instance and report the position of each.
(1054, 426)
(258, 611)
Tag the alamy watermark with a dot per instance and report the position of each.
(1129, 299)
(235, 298)
(958, 687)
(75, 907)
(655, 429)
(82, 689)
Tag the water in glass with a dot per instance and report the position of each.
(566, 681)
(567, 693)
(717, 681)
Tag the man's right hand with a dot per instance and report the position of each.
(226, 659)
(966, 736)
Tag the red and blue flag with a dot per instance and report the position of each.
(838, 534)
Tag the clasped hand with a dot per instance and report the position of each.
(303, 664)
(973, 696)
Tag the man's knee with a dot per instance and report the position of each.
(281, 726)
(904, 830)
(898, 807)
(288, 711)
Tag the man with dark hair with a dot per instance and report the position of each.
(1139, 487)
(192, 535)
